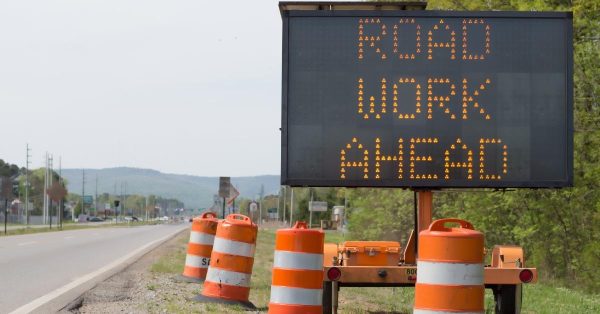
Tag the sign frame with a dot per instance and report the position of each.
(567, 17)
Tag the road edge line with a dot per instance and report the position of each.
(51, 296)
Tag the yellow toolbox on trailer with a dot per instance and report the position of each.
(371, 253)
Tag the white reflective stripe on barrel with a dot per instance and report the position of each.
(233, 247)
(299, 296)
(295, 260)
(197, 261)
(419, 311)
(201, 238)
(232, 278)
(436, 273)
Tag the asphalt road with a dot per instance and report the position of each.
(35, 265)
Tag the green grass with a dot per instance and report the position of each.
(545, 298)
(174, 262)
(333, 236)
(26, 230)
(537, 298)
(70, 226)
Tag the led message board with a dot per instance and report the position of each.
(427, 99)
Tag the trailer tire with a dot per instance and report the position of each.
(508, 299)
(327, 295)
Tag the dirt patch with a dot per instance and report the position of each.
(134, 288)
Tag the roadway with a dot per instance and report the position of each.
(35, 266)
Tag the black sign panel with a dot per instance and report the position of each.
(224, 187)
(427, 99)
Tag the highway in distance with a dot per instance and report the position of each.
(35, 265)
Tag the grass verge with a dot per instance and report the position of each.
(70, 226)
(538, 298)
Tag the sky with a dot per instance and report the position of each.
(179, 86)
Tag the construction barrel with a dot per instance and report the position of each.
(231, 261)
(200, 247)
(450, 269)
(297, 282)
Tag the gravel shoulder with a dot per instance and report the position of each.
(136, 289)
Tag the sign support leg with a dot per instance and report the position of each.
(224, 207)
(424, 214)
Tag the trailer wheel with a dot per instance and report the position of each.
(327, 294)
(508, 299)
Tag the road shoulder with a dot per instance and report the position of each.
(57, 299)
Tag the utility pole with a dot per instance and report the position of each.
(278, 200)
(44, 197)
(309, 209)
(51, 166)
(292, 206)
(27, 186)
(123, 192)
(82, 191)
(96, 199)
(61, 203)
(115, 194)
(260, 205)
(284, 202)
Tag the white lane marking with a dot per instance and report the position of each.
(31, 306)
(27, 243)
(296, 296)
(69, 237)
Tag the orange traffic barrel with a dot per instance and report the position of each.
(450, 269)
(297, 283)
(200, 247)
(231, 261)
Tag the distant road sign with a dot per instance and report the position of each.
(338, 210)
(233, 194)
(253, 207)
(224, 186)
(317, 206)
(5, 188)
(88, 199)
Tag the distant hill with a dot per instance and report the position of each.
(194, 191)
